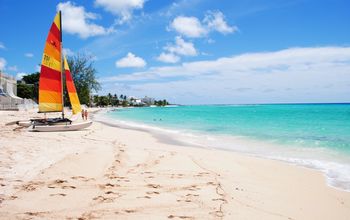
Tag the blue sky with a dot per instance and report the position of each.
(194, 51)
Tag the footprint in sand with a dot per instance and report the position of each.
(60, 184)
(58, 181)
(118, 178)
(58, 194)
(184, 200)
(13, 197)
(103, 199)
(108, 186)
(179, 175)
(90, 215)
(36, 214)
(155, 186)
(192, 195)
(31, 186)
(192, 188)
(217, 214)
(82, 178)
(180, 216)
(143, 197)
(153, 192)
(188, 198)
(112, 193)
(220, 199)
(111, 176)
(201, 174)
(68, 187)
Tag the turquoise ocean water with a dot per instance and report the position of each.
(312, 135)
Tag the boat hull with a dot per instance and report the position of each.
(24, 123)
(62, 127)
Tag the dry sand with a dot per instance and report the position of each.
(106, 172)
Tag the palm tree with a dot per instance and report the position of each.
(109, 96)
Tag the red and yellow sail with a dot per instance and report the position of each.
(50, 83)
(73, 96)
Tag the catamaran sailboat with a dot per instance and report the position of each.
(51, 97)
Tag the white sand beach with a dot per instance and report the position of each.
(107, 172)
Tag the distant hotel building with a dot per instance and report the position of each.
(148, 100)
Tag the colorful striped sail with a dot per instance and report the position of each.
(50, 83)
(73, 96)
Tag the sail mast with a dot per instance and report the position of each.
(62, 67)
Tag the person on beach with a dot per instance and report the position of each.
(82, 113)
(86, 114)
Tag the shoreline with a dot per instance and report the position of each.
(112, 172)
(333, 171)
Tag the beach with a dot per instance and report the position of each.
(110, 172)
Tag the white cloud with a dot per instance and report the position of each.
(29, 55)
(130, 60)
(20, 75)
(2, 63)
(121, 8)
(178, 7)
(76, 20)
(2, 46)
(168, 58)
(188, 26)
(173, 52)
(12, 68)
(192, 27)
(68, 52)
(216, 21)
(290, 75)
(182, 47)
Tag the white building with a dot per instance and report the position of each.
(8, 93)
(148, 100)
(8, 85)
(135, 101)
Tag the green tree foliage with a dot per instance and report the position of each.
(95, 99)
(125, 103)
(103, 101)
(161, 103)
(106, 100)
(84, 76)
(112, 100)
(31, 78)
(32, 84)
(115, 100)
(25, 91)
